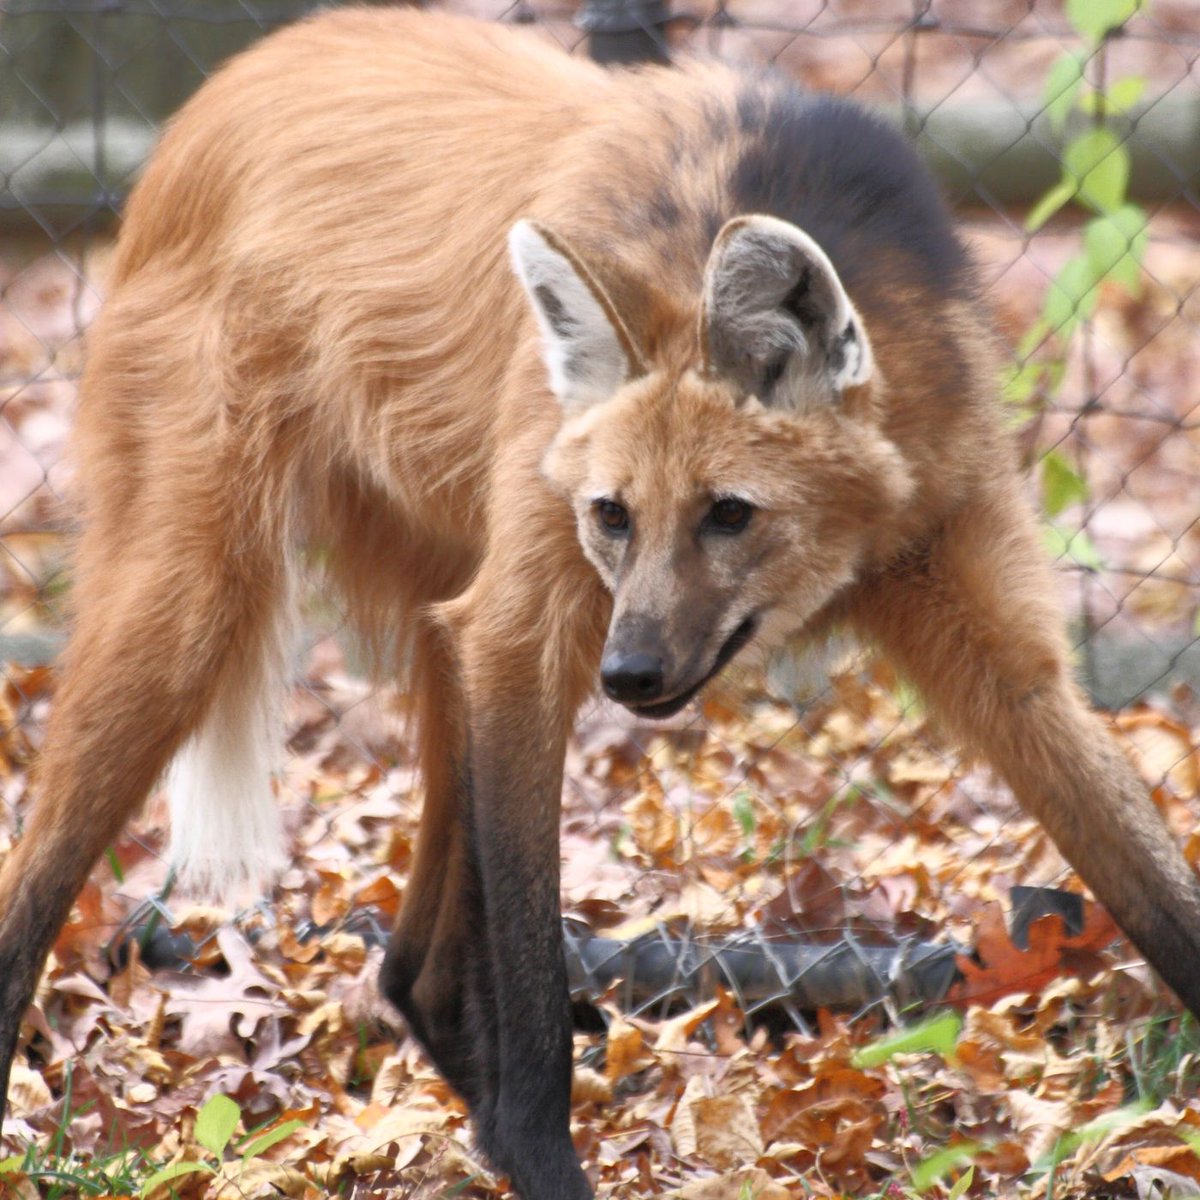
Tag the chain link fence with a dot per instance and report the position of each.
(753, 844)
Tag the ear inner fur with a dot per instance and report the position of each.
(702, 333)
(636, 365)
(812, 326)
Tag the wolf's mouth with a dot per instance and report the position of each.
(661, 709)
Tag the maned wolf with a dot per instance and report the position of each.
(739, 387)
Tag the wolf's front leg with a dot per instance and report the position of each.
(477, 959)
(525, 669)
(972, 620)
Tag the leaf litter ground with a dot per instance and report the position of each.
(1069, 1076)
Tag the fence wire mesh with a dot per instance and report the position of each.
(758, 840)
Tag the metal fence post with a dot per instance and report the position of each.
(623, 32)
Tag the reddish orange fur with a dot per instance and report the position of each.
(313, 335)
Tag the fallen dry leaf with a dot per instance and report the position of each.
(1052, 951)
(727, 1133)
(731, 1186)
(626, 1051)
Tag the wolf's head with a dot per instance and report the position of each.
(729, 497)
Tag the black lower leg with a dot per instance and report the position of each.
(34, 910)
(527, 1133)
(441, 984)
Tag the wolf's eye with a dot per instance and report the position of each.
(612, 516)
(730, 516)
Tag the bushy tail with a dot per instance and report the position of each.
(226, 831)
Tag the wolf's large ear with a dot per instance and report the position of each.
(588, 350)
(776, 319)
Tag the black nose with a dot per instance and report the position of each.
(635, 678)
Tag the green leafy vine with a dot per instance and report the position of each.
(1095, 178)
